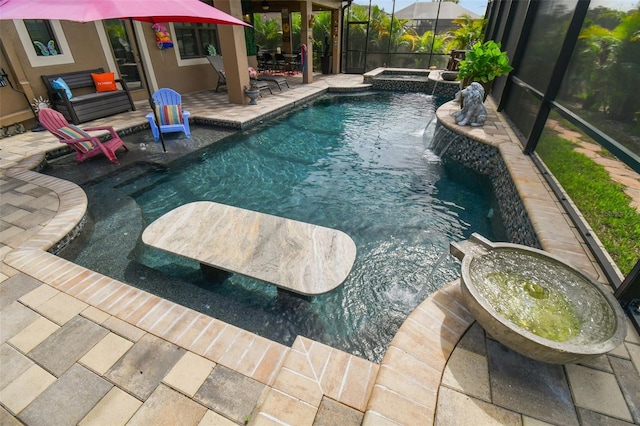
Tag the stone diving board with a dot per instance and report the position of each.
(299, 257)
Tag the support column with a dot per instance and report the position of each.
(286, 31)
(336, 29)
(234, 52)
(306, 34)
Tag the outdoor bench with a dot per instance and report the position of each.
(88, 104)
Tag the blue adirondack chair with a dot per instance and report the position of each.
(172, 117)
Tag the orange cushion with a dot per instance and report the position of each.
(104, 82)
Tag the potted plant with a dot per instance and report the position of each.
(252, 92)
(483, 63)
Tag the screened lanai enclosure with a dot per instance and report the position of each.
(572, 98)
(408, 34)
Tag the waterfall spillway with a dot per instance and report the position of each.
(437, 138)
(429, 130)
(424, 291)
(435, 85)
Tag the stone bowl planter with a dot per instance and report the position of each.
(537, 305)
(252, 94)
(449, 75)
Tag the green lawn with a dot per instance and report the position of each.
(600, 200)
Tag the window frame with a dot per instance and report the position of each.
(191, 61)
(48, 35)
(44, 61)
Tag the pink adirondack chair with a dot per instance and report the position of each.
(83, 143)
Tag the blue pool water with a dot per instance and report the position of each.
(355, 163)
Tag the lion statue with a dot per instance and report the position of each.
(473, 112)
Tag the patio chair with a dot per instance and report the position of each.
(278, 79)
(296, 63)
(265, 61)
(269, 62)
(83, 143)
(218, 65)
(170, 113)
(281, 62)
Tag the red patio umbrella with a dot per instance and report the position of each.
(139, 10)
(97, 10)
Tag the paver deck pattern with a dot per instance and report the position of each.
(80, 347)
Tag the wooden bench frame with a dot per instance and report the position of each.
(87, 106)
(455, 57)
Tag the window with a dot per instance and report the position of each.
(193, 39)
(42, 36)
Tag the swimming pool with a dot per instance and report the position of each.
(356, 163)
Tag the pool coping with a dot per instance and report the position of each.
(403, 388)
(408, 356)
(349, 382)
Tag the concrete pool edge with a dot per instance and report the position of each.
(536, 206)
(440, 320)
(378, 409)
(411, 80)
(37, 162)
(408, 352)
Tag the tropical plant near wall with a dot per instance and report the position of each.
(268, 32)
(426, 44)
(387, 39)
(625, 102)
(469, 32)
(296, 28)
(602, 79)
(429, 43)
(483, 63)
(321, 28)
(386, 33)
(599, 45)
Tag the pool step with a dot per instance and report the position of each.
(150, 176)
